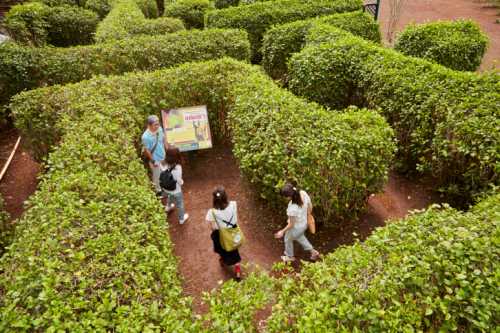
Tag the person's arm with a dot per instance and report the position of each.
(178, 175)
(145, 149)
(210, 221)
(290, 223)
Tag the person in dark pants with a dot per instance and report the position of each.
(223, 215)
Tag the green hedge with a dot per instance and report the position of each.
(126, 19)
(258, 17)
(191, 12)
(281, 41)
(101, 7)
(459, 45)
(38, 24)
(435, 271)
(447, 122)
(351, 161)
(23, 68)
(6, 229)
(64, 271)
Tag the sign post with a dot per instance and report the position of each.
(187, 128)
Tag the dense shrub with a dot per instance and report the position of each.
(92, 252)
(350, 151)
(281, 41)
(447, 122)
(126, 19)
(459, 45)
(54, 3)
(435, 271)
(27, 68)
(159, 26)
(191, 12)
(6, 228)
(101, 7)
(219, 4)
(258, 17)
(37, 24)
(67, 272)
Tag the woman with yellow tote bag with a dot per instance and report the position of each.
(226, 234)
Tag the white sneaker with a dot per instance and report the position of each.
(186, 217)
(287, 258)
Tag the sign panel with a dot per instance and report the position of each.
(187, 128)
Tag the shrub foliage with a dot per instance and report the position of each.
(126, 19)
(191, 12)
(256, 18)
(435, 271)
(459, 45)
(67, 272)
(281, 41)
(447, 122)
(38, 24)
(23, 68)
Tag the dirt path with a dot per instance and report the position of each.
(420, 11)
(20, 179)
(206, 169)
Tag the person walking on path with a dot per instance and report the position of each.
(299, 207)
(223, 215)
(171, 182)
(153, 143)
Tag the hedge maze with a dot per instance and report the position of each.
(92, 252)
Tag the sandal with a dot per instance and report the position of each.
(286, 258)
(237, 272)
(315, 255)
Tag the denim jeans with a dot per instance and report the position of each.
(178, 200)
(296, 235)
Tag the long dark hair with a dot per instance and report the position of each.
(293, 192)
(220, 198)
(173, 156)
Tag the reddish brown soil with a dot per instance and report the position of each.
(420, 11)
(20, 180)
(206, 169)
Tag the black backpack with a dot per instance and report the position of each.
(167, 181)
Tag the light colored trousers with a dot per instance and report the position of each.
(155, 176)
(296, 235)
(178, 200)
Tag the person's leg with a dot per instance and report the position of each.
(304, 242)
(155, 176)
(289, 238)
(170, 203)
(179, 202)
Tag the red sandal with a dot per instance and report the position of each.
(237, 271)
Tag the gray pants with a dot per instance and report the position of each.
(296, 235)
(178, 200)
(155, 176)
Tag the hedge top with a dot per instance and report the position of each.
(258, 17)
(459, 45)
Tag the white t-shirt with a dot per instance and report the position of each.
(177, 174)
(228, 214)
(298, 212)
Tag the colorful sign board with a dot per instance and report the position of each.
(187, 128)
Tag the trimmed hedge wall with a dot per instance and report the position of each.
(258, 17)
(351, 161)
(38, 24)
(281, 41)
(435, 271)
(71, 273)
(6, 229)
(23, 68)
(447, 122)
(191, 12)
(126, 19)
(459, 45)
